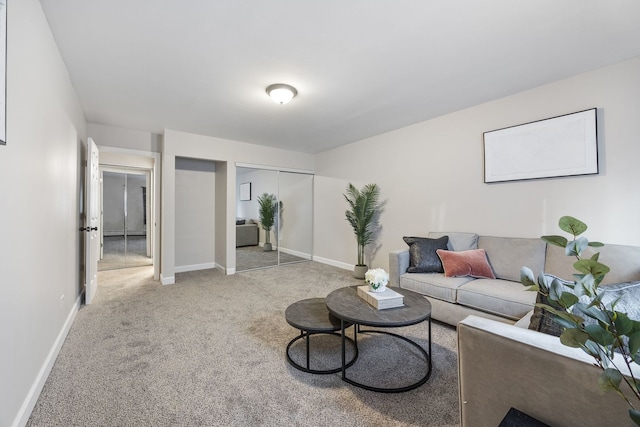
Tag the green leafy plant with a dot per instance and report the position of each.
(363, 208)
(268, 206)
(589, 323)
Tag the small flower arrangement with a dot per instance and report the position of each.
(377, 279)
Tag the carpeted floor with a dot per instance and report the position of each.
(118, 254)
(210, 351)
(252, 257)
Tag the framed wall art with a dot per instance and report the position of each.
(245, 191)
(559, 146)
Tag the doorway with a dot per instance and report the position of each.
(125, 219)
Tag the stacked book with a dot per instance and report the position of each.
(381, 300)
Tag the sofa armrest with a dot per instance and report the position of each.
(501, 366)
(398, 264)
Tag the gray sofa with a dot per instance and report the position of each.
(504, 299)
(502, 366)
(246, 235)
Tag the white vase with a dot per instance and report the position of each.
(381, 288)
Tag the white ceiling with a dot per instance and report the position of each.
(361, 67)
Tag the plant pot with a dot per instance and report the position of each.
(268, 248)
(359, 271)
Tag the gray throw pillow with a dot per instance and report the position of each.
(422, 254)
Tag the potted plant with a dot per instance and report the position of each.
(588, 320)
(267, 212)
(362, 212)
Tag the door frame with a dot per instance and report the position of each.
(126, 160)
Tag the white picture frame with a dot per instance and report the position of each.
(245, 191)
(559, 146)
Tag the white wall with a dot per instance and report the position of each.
(226, 153)
(40, 171)
(124, 138)
(431, 173)
(195, 182)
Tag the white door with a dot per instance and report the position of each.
(92, 219)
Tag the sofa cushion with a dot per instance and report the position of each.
(507, 255)
(465, 263)
(458, 241)
(422, 254)
(434, 285)
(502, 297)
(622, 260)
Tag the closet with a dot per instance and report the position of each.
(125, 219)
(291, 236)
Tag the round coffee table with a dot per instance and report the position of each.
(312, 317)
(346, 305)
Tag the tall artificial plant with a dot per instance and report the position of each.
(267, 212)
(363, 208)
(587, 321)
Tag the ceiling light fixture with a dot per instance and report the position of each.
(281, 93)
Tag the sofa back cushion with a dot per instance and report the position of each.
(458, 241)
(624, 262)
(507, 255)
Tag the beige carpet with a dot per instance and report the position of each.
(251, 257)
(210, 351)
(118, 254)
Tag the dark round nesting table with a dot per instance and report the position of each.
(346, 305)
(312, 317)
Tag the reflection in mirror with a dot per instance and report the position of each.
(124, 225)
(295, 230)
(291, 236)
(250, 237)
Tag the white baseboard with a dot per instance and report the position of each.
(338, 264)
(167, 280)
(194, 267)
(36, 388)
(296, 253)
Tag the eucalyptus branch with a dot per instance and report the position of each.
(602, 339)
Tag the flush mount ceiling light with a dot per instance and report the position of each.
(281, 93)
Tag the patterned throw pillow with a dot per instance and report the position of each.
(542, 320)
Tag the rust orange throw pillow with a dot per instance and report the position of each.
(466, 263)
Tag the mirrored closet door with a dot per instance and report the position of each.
(274, 218)
(124, 221)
